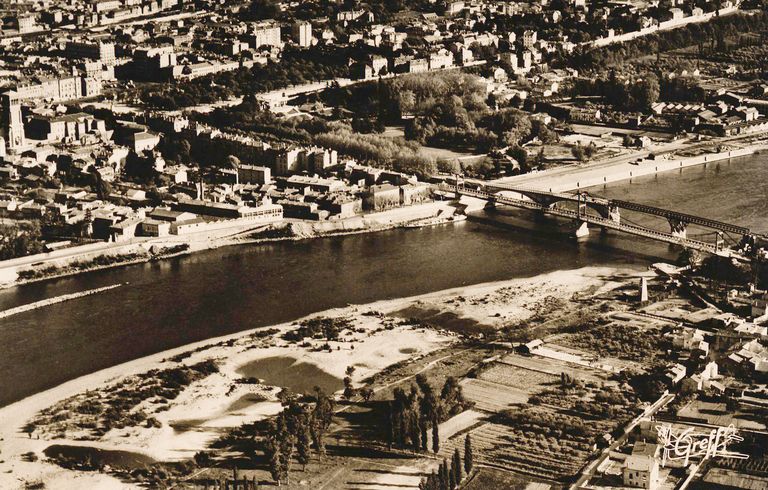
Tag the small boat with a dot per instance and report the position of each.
(438, 220)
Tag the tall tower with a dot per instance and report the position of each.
(302, 33)
(12, 121)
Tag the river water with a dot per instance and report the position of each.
(172, 303)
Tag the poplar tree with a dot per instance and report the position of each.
(468, 455)
(303, 444)
(446, 475)
(435, 436)
(442, 478)
(456, 465)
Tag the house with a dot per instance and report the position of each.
(640, 471)
(676, 13)
(441, 59)
(531, 346)
(415, 193)
(124, 230)
(143, 141)
(453, 8)
(747, 113)
(341, 205)
(752, 356)
(708, 378)
(675, 373)
(153, 227)
(170, 216)
(254, 174)
(176, 173)
(690, 339)
(315, 184)
(381, 197)
(529, 38)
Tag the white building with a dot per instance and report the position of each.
(302, 34)
(641, 471)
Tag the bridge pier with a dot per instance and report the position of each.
(614, 214)
(678, 227)
(582, 230)
(719, 242)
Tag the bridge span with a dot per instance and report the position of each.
(608, 214)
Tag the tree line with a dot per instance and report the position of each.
(619, 54)
(413, 414)
(450, 475)
(295, 431)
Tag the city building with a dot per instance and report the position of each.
(641, 471)
(101, 51)
(12, 121)
(265, 34)
(302, 33)
(254, 174)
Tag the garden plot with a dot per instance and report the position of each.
(517, 377)
(528, 365)
(491, 397)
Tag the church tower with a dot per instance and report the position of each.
(12, 121)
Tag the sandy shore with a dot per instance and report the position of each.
(378, 337)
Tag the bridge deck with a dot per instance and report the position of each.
(685, 218)
(591, 219)
(631, 206)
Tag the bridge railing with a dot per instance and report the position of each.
(626, 205)
(589, 218)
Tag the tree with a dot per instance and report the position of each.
(543, 132)
(447, 485)
(690, 257)
(366, 392)
(518, 153)
(102, 187)
(578, 152)
(435, 436)
(19, 240)
(646, 92)
(279, 449)
(287, 442)
(590, 150)
(262, 10)
(303, 443)
(275, 466)
(322, 416)
(456, 466)
(433, 481)
(184, 150)
(451, 397)
(468, 455)
(234, 164)
(349, 390)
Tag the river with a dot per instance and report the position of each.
(179, 301)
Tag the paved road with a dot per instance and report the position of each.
(567, 177)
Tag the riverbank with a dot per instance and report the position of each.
(371, 337)
(94, 257)
(580, 176)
